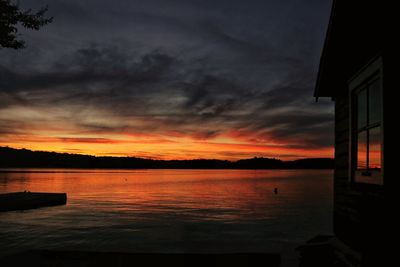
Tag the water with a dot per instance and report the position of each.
(169, 211)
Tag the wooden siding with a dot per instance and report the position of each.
(358, 208)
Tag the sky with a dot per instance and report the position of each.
(176, 79)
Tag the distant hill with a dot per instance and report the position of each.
(24, 158)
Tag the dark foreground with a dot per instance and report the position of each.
(116, 259)
(28, 200)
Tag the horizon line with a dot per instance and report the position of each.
(96, 156)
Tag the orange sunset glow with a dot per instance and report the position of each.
(90, 130)
(183, 148)
(287, 133)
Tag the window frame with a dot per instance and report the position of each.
(361, 81)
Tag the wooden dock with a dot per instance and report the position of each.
(30, 200)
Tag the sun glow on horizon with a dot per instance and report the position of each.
(164, 147)
(62, 129)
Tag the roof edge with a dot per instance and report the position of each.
(318, 91)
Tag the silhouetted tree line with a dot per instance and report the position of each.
(23, 158)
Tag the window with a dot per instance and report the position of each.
(367, 126)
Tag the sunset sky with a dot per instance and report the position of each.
(176, 79)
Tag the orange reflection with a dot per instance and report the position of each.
(375, 159)
(214, 194)
(375, 148)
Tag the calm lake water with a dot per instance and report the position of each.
(169, 211)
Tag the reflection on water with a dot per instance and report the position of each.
(169, 210)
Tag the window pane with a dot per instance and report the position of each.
(375, 102)
(375, 148)
(362, 151)
(362, 109)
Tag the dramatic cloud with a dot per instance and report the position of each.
(169, 79)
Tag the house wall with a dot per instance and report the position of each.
(358, 208)
(355, 37)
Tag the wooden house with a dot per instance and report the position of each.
(351, 73)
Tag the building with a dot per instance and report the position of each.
(351, 73)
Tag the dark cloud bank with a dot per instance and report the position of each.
(196, 68)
